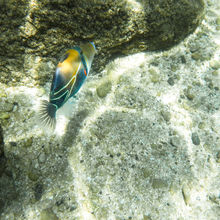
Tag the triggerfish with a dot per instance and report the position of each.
(71, 72)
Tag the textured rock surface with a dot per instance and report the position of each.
(140, 141)
(46, 28)
(2, 156)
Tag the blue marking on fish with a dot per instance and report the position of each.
(71, 72)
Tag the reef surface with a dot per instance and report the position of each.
(140, 140)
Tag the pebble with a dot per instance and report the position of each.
(146, 217)
(186, 194)
(154, 76)
(4, 115)
(196, 56)
(32, 175)
(48, 214)
(166, 115)
(215, 64)
(189, 94)
(175, 141)
(216, 72)
(195, 138)
(103, 89)
(159, 183)
(146, 173)
(200, 55)
(38, 191)
(201, 125)
(171, 81)
(183, 59)
(42, 158)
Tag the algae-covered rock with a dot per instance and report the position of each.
(104, 88)
(46, 28)
(175, 141)
(141, 138)
(171, 81)
(195, 138)
(186, 192)
(33, 175)
(166, 115)
(28, 142)
(189, 93)
(159, 183)
(215, 64)
(4, 115)
(155, 77)
(38, 191)
(48, 214)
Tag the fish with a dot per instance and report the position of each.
(70, 74)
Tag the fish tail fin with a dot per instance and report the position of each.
(47, 114)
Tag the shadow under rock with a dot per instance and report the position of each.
(31, 165)
(23, 185)
(8, 191)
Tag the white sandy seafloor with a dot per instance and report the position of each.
(140, 141)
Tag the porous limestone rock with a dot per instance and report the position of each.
(47, 28)
(135, 144)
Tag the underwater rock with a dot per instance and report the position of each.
(186, 192)
(159, 183)
(166, 115)
(38, 191)
(42, 157)
(195, 138)
(175, 141)
(188, 93)
(103, 89)
(48, 214)
(155, 77)
(4, 115)
(125, 149)
(5, 109)
(46, 28)
(33, 175)
(171, 81)
(215, 64)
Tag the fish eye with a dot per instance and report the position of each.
(63, 57)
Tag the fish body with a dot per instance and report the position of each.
(71, 72)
